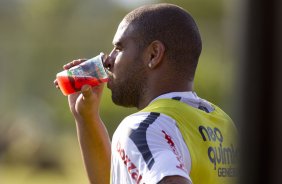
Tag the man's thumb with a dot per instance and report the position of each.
(86, 91)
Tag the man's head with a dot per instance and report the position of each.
(175, 28)
(151, 41)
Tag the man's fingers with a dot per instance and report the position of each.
(73, 63)
(68, 66)
(56, 84)
(87, 91)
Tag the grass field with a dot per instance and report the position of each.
(70, 170)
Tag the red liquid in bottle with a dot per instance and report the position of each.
(71, 84)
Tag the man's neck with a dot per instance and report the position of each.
(160, 89)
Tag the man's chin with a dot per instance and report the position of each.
(121, 102)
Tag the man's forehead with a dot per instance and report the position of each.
(124, 31)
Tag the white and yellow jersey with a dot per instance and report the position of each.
(177, 134)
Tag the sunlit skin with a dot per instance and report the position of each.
(133, 83)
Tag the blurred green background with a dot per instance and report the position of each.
(38, 141)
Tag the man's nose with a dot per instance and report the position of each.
(110, 60)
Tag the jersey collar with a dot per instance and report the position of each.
(188, 97)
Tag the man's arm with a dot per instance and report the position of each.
(174, 180)
(92, 134)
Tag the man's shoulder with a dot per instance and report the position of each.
(136, 118)
(144, 121)
(146, 117)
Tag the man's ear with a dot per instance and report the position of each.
(155, 54)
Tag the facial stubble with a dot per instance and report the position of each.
(129, 90)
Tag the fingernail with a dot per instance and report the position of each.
(86, 89)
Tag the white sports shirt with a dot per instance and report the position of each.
(146, 147)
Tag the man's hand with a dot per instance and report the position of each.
(85, 103)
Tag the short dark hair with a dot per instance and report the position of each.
(175, 28)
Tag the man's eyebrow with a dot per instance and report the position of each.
(117, 43)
